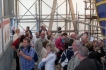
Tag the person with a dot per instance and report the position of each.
(43, 29)
(50, 57)
(74, 60)
(86, 63)
(38, 45)
(35, 38)
(26, 55)
(44, 52)
(95, 54)
(73, 36)
(16, 35)
(15, 46)
(29, 31)
(66, 55)
(60, 44)
(59, 32)
(51, 38)
(76, 37)
(13, 30)
(27, 34)
(21, 40)
(84, 40)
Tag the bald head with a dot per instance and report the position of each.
(84, 39)
(74, 36)
(42, 35)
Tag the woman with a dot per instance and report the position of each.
(95, 54)
(50, 57)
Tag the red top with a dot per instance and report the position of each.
(59, 44)
(16, 42)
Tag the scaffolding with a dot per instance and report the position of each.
(90, 14)
(54, 17)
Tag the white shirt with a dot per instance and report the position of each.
(34, 40)
(15, 36)
(50, 61)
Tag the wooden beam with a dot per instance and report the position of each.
(73, 16)
(52, 13)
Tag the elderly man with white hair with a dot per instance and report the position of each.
(38, 45)
(86, 63)
(74, 60)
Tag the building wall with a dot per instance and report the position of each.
(8, 7)
(0, 8)
(6, 58)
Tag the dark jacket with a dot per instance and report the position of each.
(86, 64)
(96, 55)
(68, 53)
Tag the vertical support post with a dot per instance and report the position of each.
(73, 15)
(66, 23)
(2, 34)
(40, 13)
(37, 24)
(39, 2)
(78, 23)
(90, 17)
(52, 14)
(69, 23)
(17, 13)
(57, 15)
(89, 32)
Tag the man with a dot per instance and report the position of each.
(38, 45)
(29, 31)
(35, 38)
(58, 34)
(26, 55)
(76, 37)
(84, 40)
(66, 55)
(60, 44)
(86, 63)
(74, 60)
(43, 29)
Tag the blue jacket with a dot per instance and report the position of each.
(68, 53)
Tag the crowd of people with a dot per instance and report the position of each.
(70, 52)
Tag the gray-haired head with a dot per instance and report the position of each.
(78, 43)
(83, 51)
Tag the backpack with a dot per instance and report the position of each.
(35, 54)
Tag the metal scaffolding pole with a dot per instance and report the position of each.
(66, 23)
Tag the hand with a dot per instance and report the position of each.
(100, 44)
(21, 53)
(18, 53)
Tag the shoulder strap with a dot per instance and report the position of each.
(29, 48)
